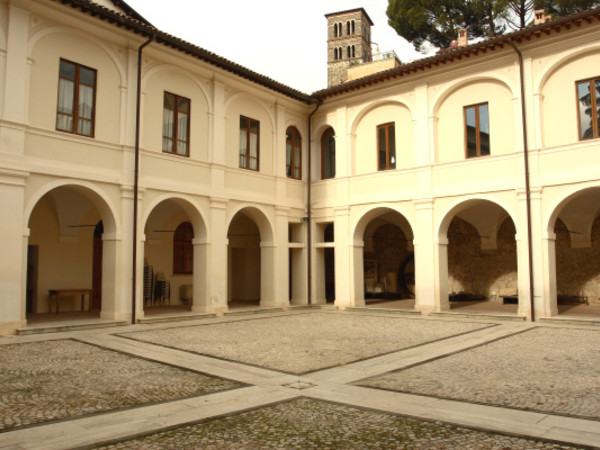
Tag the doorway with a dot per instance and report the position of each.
(97, 268)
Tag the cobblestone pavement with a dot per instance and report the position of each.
(305, 423)
(299, 380)
(544, 369)
(52, 380)
(306, 342)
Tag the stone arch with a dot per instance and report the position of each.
(558, 206)
(366, 109)
(563, 59)
(108, 211)
(35, 38)
(459, 205)
(147, 76)
(175, 274)
(242, 95)
(189, 206)
(374, 212)
(571, 244)
(459, 83)
(478, 254)
(260, 218)
(78, 230)
(380, 259)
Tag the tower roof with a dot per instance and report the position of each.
(339, 13)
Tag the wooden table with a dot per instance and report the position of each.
(57, 293)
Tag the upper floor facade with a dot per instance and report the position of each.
(455, 123)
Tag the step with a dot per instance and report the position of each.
(67, 326)
(176, 317)
(481, 315)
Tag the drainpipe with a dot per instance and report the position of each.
(527, 186)
(308, 206)
(136, 176)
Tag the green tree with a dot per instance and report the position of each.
(437, 22)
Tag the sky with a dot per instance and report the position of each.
(282, 39)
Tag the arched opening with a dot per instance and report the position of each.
(172, 278)
(293, 156)
(388, 269)
(70, 262)
(244, 269)
(328, 154)
(577, 255)
(482, 259)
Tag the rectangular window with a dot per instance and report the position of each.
(477, 130)
(176, 125)
(386, 146)
(75, 111)
(588, 103)
(249, 138)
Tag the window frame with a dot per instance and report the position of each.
(296, 147)
(182, 248)
(388, 164)
(175, 139)
(323, 153)
(75, 107)
(594, 106)
(249, 122)
(477, 130)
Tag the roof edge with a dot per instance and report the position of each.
(427, 63)
(144, 28)
(349, 11)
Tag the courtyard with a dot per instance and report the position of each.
(304, 378)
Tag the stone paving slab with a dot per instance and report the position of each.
(554, 370)
(301, 343)
(52, 380)
(305, 423)
(122, 425)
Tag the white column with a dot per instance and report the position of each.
(343, 284)
(442, 300)
(112, 280)
(217, 256)
(14, 236)
(200, 294)
(358, 289)
(282, 260)
(541, 304)
(267, 275)
(550, 307)
(427, 283)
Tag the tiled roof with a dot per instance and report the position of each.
(491, 44)
(129, 11)
(138, 25)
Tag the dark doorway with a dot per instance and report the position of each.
(97, 267)
(406, 276)
(329, 265)
(32, 278)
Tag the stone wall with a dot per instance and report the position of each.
(578, 269)
(389, 247)
(482, 273)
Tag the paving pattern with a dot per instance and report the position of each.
(52, 380)
(306, 424)
(300, 343)
(544, 369)
(310, 379)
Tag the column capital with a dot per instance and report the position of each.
(218, 203)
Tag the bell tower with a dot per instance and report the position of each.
(348, 43)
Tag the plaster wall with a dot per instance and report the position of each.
(43, 89)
